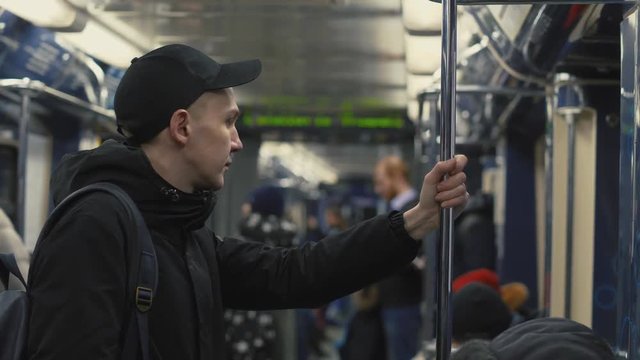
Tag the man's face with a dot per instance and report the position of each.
(383, 184)
(213, 138)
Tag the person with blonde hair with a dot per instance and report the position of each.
(401, 293)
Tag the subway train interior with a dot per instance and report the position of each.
(546, 111)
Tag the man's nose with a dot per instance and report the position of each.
(236, 143)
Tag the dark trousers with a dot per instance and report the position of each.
(402, 329)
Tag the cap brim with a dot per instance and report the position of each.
(235, 74)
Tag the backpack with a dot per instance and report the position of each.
(14, 310)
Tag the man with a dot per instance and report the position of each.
(478, 313)
(400, 293)
(178, 107)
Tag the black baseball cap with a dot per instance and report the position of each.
(551, 338)
(540, 339)
(478, 313)
(169, 78)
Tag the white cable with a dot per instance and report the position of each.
(511, 71)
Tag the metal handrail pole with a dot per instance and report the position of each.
(570, 118)
(447, 151)
(548, 211)
(23, 141)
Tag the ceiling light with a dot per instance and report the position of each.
(421, 15)
(44, 13)
(422, 54)
(103, 44)
(299, 160)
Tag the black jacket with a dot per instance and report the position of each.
(77, 281)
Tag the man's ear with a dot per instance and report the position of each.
(180, 126)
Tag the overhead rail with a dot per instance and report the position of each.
(484, 89)
(26, 92)
(555, 2)
(34, 87)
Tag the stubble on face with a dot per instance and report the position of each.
(214, 116)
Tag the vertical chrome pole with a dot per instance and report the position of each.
(429, 244)
(548, 211)
(569, 102)
(22, 163)
(571, 160)
(447, 150)
(420, 163)
(418, 143)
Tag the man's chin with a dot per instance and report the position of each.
(211, 184)
(218, 183)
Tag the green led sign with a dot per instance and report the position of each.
(282, 112)
(283, 121)
(322, 121)
(319, 122)
(372, 122)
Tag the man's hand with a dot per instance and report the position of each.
(438, 192)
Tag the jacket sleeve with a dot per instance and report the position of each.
(77, 285)
(254, 276)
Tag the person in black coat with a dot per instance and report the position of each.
(475, 236)
(178, 110)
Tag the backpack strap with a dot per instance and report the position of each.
(9, 266)
(142, 267)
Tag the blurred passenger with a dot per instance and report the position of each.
(400, 293)
(514, 294)
(266, 222)
(10, 242)
(336, 223)
(478, 313)
(540, 339)
(365, 338)
(332, 319)
(253, 334)
(474, 237)
(484, 276)
(313, 233)
(178, 108)
(245, 210)
(309, 326)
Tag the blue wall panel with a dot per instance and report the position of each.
(606, 102)
(519, 262)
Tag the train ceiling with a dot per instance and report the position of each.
(368, 54)
(327, 52)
